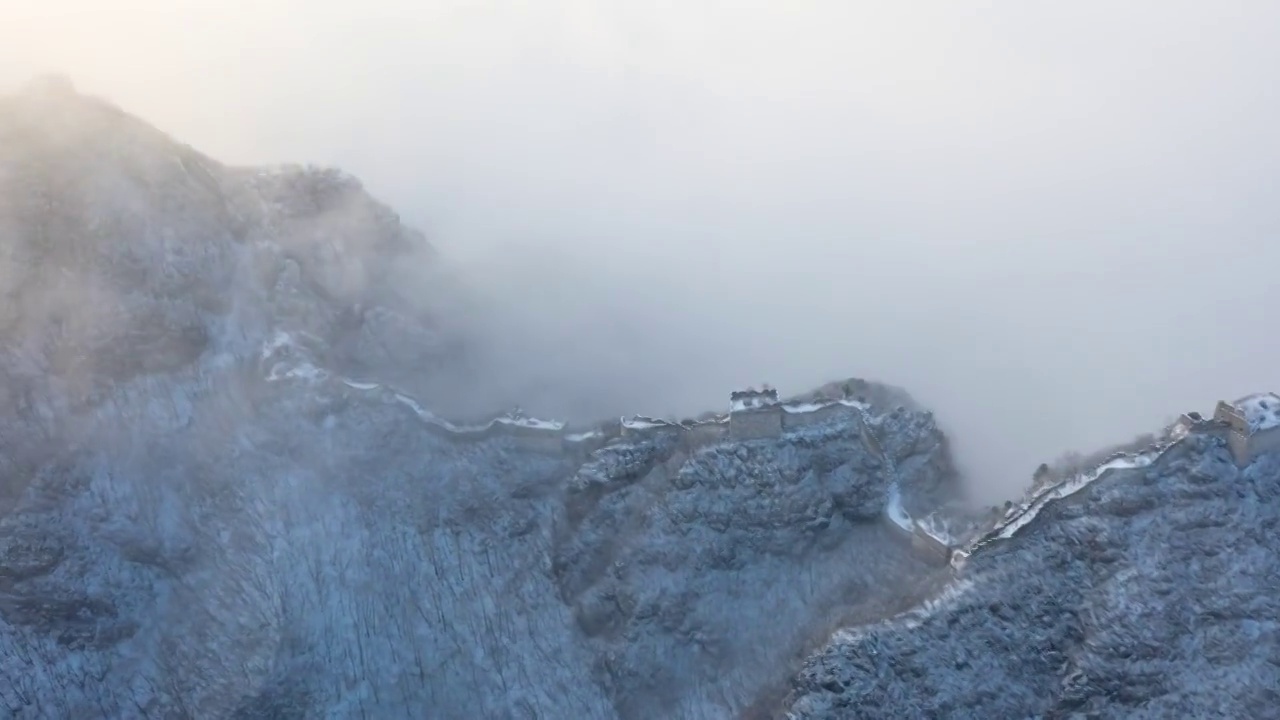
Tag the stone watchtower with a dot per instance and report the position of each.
(1253, 425)
(755, 414)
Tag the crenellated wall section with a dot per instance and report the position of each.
(759, 422)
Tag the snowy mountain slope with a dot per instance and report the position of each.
(223, 497)
(1150, 592)
(127, 253)
(343, 560)
(231, 487)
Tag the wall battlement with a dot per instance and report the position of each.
(752, 399)
(753, 415)
(1231, 416)
(1252, 423)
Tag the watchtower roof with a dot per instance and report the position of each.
(750, 399)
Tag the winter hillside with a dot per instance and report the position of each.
(1148, 593)
(225, 495)
(234, 483)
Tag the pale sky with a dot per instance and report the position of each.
(1055, 223)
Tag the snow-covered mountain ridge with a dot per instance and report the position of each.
(226, 492)
(1144, 587)
(234, 484)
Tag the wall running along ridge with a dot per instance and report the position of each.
(762, 423)
(741, 424)
(1228, 426)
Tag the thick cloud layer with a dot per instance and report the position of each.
(1053, 222)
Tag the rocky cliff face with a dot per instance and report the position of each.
(204, 515)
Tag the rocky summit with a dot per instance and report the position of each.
(232, 486)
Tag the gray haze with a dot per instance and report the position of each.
(1054, 223)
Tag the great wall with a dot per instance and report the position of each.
(753, 415)
(1248, 427)
(1245, 428)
